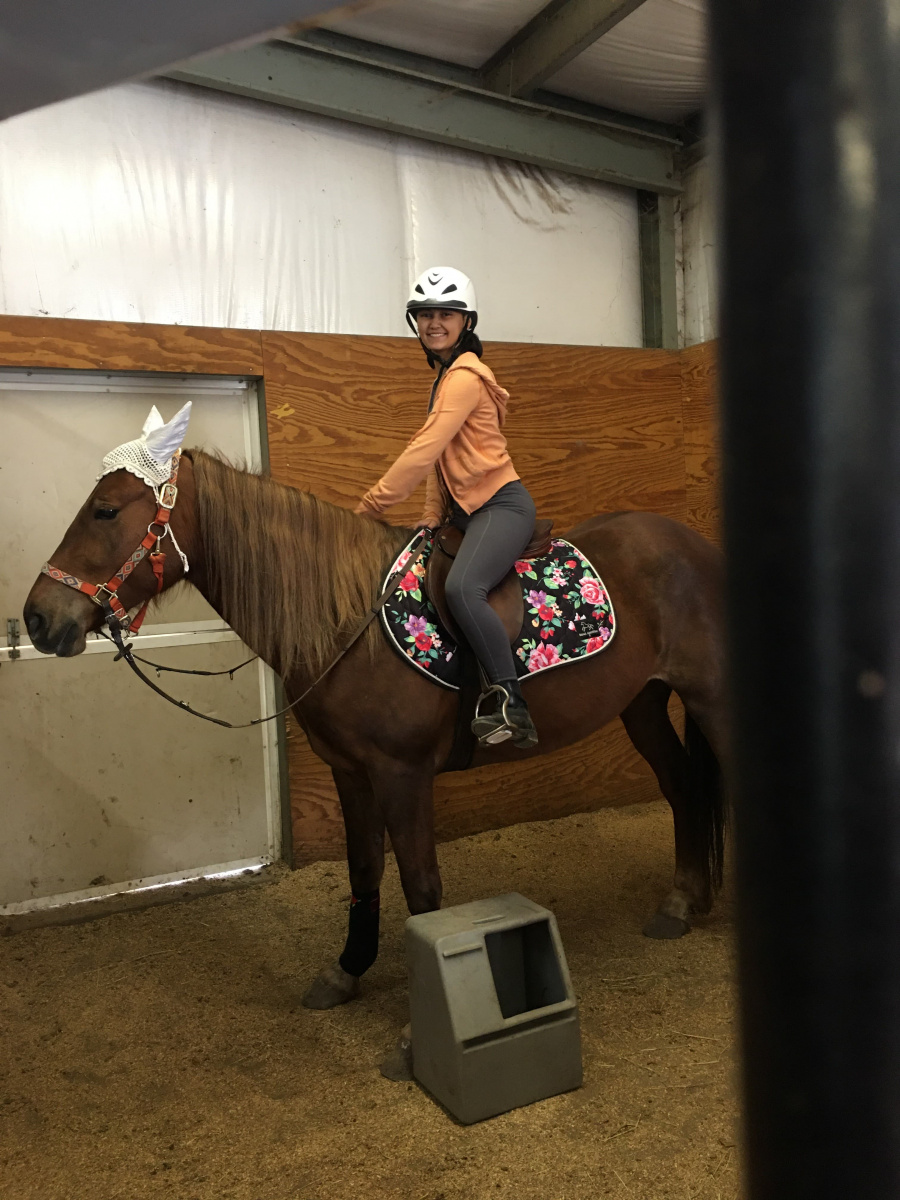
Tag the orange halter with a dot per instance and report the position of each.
(104, 594)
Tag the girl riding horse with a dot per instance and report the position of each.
(471, 483)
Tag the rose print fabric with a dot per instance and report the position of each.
(568, 615)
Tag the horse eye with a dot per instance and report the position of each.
(106, 514)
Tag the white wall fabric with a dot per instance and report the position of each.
(699, 232)
(164, 203)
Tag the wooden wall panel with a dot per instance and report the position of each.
(699, 371)
(593, 429)
(590, 429)
(340, 409)
(45, 343)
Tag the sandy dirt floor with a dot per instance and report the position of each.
(165, 1053)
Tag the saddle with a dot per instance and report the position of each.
(506, 599)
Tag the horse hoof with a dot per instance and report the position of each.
(665, 928)
(333, 987)
(398, 1066)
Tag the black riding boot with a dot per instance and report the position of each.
(510, 718)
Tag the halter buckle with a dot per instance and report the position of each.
(168, 495)
(104, 602)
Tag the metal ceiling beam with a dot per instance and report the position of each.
(559, 33)
(351, 87)
(436, 69)
(53, 49)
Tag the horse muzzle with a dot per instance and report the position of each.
(55, 629)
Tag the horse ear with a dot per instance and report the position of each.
(154, 421)
(166, 441)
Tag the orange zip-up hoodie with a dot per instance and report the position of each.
(462, 439)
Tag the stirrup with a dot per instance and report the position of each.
(503, 732)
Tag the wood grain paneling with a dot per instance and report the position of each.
(340, 409)
(593, 429)
(45, 343)
(699, 373)
(590, 429)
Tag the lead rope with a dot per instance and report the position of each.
(124, 650)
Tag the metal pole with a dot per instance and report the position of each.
(659, 298)
(809, 116)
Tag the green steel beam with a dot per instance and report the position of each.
(656, 225)
(559, 33)
(452, 74)
(382, 96)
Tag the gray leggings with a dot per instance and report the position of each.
(496, 535)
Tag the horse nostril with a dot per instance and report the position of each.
(67, 639)
(35, 625)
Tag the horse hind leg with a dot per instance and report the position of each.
(688, 777)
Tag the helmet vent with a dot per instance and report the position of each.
(452, 288)
(420, 289)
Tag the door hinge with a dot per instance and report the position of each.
(13, 637)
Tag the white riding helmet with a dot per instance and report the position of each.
(442, 287)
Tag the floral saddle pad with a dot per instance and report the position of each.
(568, 615)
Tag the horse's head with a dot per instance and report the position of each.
(104, 535)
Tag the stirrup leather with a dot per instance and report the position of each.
(503, 732)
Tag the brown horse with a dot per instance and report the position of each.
(293, 575)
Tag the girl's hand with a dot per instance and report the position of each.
(362, 510)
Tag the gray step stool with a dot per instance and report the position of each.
(494, 1018)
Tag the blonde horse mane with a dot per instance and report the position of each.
(292, 574)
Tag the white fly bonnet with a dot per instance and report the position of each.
(150, 456)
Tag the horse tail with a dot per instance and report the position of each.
(707, 803)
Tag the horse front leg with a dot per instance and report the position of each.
(406, 796)
(364, 825)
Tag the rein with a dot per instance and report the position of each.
(160, 667)
(119, 623)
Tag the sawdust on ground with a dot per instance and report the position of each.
(165, 1053)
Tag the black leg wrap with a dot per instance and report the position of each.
(361, 949)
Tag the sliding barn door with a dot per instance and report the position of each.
(105, 786)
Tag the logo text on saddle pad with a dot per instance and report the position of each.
(568, 615)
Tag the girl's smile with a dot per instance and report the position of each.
(440, 328)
